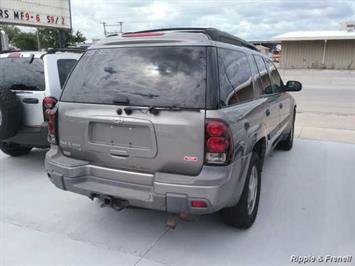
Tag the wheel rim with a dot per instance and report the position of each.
(252, 189)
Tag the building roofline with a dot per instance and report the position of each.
(316, 35)
(270, 41)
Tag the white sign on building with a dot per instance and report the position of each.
(37, 13)
(348, 25)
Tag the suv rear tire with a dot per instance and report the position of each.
(14, 149)
(243, 214)
(287, 144)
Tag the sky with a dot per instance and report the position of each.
(248, 19)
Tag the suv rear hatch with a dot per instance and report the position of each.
(25, 76)
(33, 78)
(137, 108)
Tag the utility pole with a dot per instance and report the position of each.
(62, 39)
(104, 25)
(121, 24)
(38, 40)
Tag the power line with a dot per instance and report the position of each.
(106, 25)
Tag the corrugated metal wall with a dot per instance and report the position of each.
(340, 54)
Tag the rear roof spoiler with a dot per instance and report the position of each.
(212, 33)
(69, 50)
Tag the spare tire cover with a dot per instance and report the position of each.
(10, 114)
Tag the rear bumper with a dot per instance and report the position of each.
(32, 136)
(217, 186)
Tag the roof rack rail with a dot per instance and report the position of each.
(71, 50)
(212, 33)
(112, 34)
(10, 51)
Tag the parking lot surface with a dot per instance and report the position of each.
(306, 208)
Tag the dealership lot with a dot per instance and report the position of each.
(307, 208)
(176, 119)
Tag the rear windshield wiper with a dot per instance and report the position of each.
(23, 87)
(149, 95)
(156, 109)
(121, 100)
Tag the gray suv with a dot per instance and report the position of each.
(178, 120)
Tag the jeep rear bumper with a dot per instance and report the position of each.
(217, 186)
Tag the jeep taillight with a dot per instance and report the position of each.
(48, 104)
(219, 148)
(14, 55)
(51, 114)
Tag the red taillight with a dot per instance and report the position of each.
(198, 204)
(219, 142)
(48, 104)
(143, 34)
(51, 114)
(216, 128)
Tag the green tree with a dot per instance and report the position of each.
(25, 41)
(11, 31)
(73, 39)
(49, 38)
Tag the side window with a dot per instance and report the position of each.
(264, 75)
(256, 76)
(275, 76)
(225, 86)
(64, 68)
(235, 77)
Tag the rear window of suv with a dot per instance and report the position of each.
(143, 76)
(19, 74)
(65, 66)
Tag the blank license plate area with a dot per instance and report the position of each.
(123, 135)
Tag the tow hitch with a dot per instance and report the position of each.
(108, 201)
(120, 204)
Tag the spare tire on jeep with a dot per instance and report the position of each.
(10, 114)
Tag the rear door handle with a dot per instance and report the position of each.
(30, 100)
(119, 153)
(267, 112)
(281, 105)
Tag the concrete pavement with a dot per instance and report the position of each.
(306, 208)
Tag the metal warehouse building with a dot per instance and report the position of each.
(318, 49)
